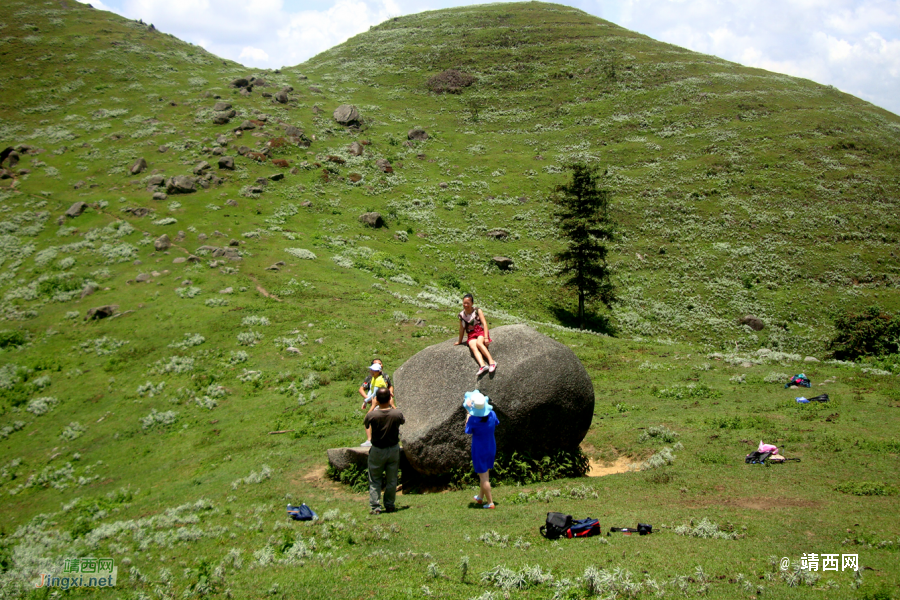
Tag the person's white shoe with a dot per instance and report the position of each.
(366, 444)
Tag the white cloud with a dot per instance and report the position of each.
(254, 54)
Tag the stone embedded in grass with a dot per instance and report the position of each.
(417, 134)
(162, 243)
(221, 106)
(101, 312)
(754, 323)
(201, 167)
(372, 219)
(181, 184)
(356, 149)
(76, 209)
(139, 166)
(346, 114)
(281, 97)
(503, 262)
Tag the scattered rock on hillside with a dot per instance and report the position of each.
(343, 458)
(754, 323)
(76, 209)
(162, 149)
(291, 131)
(101, 312)
(498, 234)
(142, 277)
(221, 106)
(162, 243)
(159, 196)
(372, 219)
(503, 262)
(181, 184)
(450, 81)
(239, 83)
(231, 202)
(384, 165)
(226, 162)
(281, 97)
(246, 125)
(418, 134)
(356, 149)
(139, 166)
(201, 167)
(346, 114)
(541, 393)
(12, 159)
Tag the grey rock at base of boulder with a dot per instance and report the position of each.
(181, 184)
(541, 393)
(341, 459)
(162, 243)
(221, 106)
(101, 312)
(372, 219)
(226, 162)
(356, 149)
(754, 323)
(159, 196)
(76, 209)
(418, 134)
(346, 114)
(139, 166)
(503, 262)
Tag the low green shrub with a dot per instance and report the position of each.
(870, 332)
(866, 488)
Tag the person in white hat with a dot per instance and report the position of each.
(376, 380)
(481, 421)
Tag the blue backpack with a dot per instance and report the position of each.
(301, 513)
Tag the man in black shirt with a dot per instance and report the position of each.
(384, 455)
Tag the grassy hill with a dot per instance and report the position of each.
(145, 436)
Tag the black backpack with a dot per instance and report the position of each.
(557, 525)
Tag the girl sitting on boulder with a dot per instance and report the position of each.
(473, 324)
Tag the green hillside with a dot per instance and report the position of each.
(145, 436)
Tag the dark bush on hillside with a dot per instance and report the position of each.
(10, 338)
(870, 332)
(450, 81)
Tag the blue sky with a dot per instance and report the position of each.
(852, 45)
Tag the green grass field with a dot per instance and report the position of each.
(145, 437)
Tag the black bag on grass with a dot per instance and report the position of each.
(557, 525)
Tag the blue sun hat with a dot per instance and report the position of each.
(477, 404)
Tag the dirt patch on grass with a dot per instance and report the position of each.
(621, 465)
(318, 479)
(752, 503)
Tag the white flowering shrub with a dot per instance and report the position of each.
(190, 340)
(151, 390)
(155, 419)
(188, 292)
(253, 478)
(72, 431)
(238, 357)
(41, 406)
(176, 364)
(100, 346)
(301, 253)
(249, 338)
(252, 320)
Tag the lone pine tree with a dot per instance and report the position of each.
(582, 210)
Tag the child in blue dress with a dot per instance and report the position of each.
(480, 424)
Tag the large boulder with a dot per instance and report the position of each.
(346, 114)
(540, 391)
(181, 184)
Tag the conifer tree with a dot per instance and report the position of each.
(586, 228)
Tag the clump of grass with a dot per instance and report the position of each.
(706, 529)
(659, 431)
(866, 488)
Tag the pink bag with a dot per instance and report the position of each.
(767, 448)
